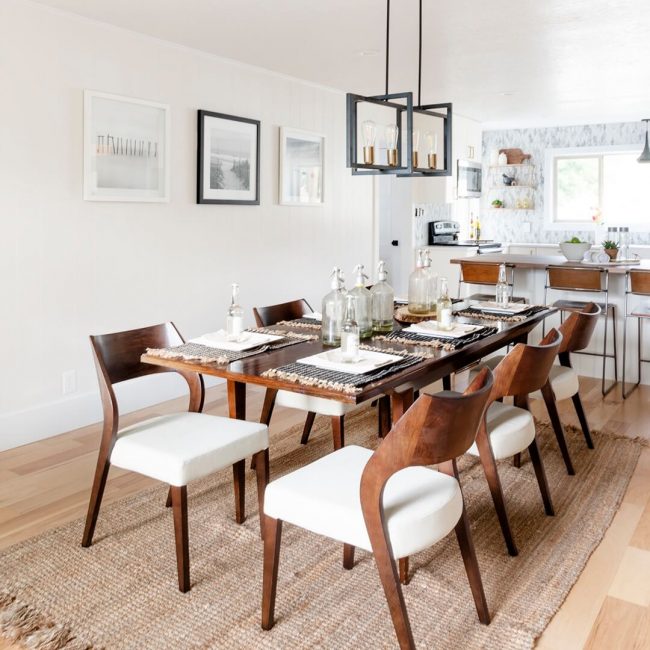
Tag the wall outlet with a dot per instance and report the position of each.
(69, 382)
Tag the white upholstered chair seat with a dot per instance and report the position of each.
(180, 448)
(319, 405)
(511, 430)
(564, 382)
(421, 505)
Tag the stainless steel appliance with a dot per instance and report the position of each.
(469, 179)
(443, 232)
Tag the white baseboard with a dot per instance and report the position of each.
(53, 418)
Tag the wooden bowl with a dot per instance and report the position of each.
(403, 315)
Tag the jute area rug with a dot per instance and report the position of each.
(122, 592)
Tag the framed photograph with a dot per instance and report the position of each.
(228, 159)
(126, 148)
(301, 167)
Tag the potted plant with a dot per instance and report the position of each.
(611, 248)
(497, 203)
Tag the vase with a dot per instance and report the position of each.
(612, 252)
(503, 159)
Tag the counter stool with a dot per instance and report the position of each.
(637, 283)
(586, 280)
(486, 274)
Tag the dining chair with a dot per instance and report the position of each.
(585, 280)
(507, 430)
(563, 383)
(637, 283)
(334, 409)
(387, 502)
(175, 449)
(486, 274)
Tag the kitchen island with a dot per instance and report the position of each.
(529, 282)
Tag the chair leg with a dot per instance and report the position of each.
(516, 460)
(551, 407)
(536, 459)
(267, 412)
(348, 556)
(383, 416)
(609, 309)
(179, 507)
(338, 431)
(404, 570)
(494, 483)
(239, 480)
(272, 539)
(168, 503)
(262, 472)
(309, 422)
(99, 483)
(577, 403)
(464, 537)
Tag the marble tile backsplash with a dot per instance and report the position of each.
(528, 226)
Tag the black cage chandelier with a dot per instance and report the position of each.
(404, 152)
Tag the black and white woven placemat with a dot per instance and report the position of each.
(306, 323)
(307, 375)
(208, 354)
(473, 312)
(439, 342)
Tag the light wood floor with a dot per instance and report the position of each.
(47, 483)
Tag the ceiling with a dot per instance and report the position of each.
(507, 63)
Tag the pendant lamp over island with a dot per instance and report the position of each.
(645, 154)
(387, 134)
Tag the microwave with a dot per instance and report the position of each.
(469, 179)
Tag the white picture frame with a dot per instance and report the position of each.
(302, 167)
(126, 149)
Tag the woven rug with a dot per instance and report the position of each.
(122, 592)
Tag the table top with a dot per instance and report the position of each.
(442, 363)
(542, 261)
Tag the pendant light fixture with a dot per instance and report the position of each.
(645, 154)
(401, 152)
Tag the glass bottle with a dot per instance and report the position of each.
(363, 299)
(350, 331)
(443, 308)
(624, 243)
(235, 317)
(419, 296)
(333, 309)
(433, 279)
(382, 301)
(503, 288)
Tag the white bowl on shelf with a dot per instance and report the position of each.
(574, 252)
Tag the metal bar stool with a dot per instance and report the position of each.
(567, 278)
(486, 274)
(637, 283)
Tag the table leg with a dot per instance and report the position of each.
(237, 400)
(400, 402)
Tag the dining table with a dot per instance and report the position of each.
(435, 364)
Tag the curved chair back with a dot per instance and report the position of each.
(578, 328)
(526, 368)
(117, 359)
(266, 316)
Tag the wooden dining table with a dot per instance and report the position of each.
(443, 363)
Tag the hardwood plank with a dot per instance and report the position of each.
(632, 581)
(641, 537)
(620, 625)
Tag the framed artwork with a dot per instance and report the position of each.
(126, 148)
(228, 159)
(301, 167)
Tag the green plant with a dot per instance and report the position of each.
(574, 240)
(610, 245)
(497, 203)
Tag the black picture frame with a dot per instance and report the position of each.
(208, 195)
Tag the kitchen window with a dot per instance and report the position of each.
(587, 186)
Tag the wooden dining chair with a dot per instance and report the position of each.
(334, 409)
(175, 449)
(486, 274)
(508, 430)
(591, 281)
(387, 502)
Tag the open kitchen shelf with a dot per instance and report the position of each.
(529, 165)
(511, 209)
(512, 187)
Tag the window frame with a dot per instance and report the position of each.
(551, 157)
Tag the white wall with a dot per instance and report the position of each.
(69, 268)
